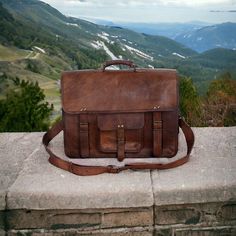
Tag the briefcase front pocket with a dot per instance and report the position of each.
(120, 132)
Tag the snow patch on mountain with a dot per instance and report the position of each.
(139, 53)
(104, 37)
(101, 44)
(105, 34)
(178, 55)
(72, 24)
(96, 44)
(187, 35)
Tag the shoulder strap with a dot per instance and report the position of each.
(95, 170)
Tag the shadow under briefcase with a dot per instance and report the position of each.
(119, 114)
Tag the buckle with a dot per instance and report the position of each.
(113, 169)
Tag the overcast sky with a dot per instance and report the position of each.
(213, 11)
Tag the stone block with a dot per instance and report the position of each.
(128, 218)
(209, 231)
(209, 176)
(221, 213)
(136, 231)
(163, 231)
(228, 212)
(43, 186)
(2, 220)
(81, 219)
(182, 214)
(195, 231)
(52, 219)
(14, 149)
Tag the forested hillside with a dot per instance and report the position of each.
(37, 43)
(210, 37)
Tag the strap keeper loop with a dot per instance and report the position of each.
(71, 167)
(113, 169)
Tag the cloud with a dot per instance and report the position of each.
(132, 3)
(148, 10)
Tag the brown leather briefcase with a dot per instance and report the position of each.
(119, 114)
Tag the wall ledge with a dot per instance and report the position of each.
(198, 197)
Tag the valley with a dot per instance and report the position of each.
(37, 43)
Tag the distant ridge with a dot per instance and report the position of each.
(55, 42)
(209, 37)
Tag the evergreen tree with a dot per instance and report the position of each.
(190, 104)
(24, 108)
(220, 104)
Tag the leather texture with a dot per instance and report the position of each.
(109, 91)
(95, 170)
(120, 114)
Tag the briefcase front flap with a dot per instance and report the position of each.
(119, 91)
(129, 121)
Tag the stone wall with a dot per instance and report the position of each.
(180, 220)
(197, 199)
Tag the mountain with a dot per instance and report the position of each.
(46, 42)
(37, 43)
(199, 36)
(226, 58)
(207, 66)
(89, 36)
(209, 37)
(170, 30)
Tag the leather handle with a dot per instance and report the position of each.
(119, 62)
(95, 170)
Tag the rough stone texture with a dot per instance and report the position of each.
(196, 231)
(2, 233)
(200, 213)
(81, 219)
(210, 231)
(172, 214)
(52, 219)
(210, 176)
(128, 218)
(228, 211)
(43, 186)
(2, 220)
(14, 149)
(136, 231)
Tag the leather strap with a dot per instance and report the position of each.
(157, 134)
(84, 135)
(95, 170)
(120, 143)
